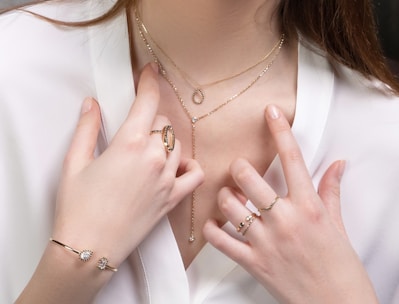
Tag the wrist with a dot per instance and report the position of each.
(86, 255)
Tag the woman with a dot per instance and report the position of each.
(238, 85)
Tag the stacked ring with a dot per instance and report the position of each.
(249, 219)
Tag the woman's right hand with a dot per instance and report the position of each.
(110, 203)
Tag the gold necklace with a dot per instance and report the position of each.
(198, 95)
(195, 119)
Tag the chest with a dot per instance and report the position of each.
(236, 129)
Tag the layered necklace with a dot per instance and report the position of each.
(198, 94)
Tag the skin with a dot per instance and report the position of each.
(207, 37)
(93, 212)
(298, 250)
(299, 244)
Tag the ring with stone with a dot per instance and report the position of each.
(168, 137)
(249, 219)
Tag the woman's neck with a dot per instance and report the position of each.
(227, 35)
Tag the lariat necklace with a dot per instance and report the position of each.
(194, 119)
(198, 95)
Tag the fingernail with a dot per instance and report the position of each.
(273, 112)
(154, 67)
(87, 105)
(341, 168)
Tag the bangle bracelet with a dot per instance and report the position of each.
(85, 255)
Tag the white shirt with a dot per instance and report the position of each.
(45, 73)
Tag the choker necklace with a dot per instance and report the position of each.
(198, 95)
(193, 118)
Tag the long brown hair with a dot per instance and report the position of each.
(344, 29)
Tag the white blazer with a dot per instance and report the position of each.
(45, 73)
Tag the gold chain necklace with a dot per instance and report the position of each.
(198, 95)
(195, 119)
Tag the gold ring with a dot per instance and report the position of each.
(268, 208)
(240, 226)
(248, 219)
(168, 137)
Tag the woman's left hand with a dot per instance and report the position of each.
(298, 249)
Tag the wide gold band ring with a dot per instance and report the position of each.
(268, 208)
(168, 137)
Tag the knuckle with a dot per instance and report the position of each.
(314, 214)
(162, 119)
(294, 155)
(136, 141)
(244, 175)
(225, 200)
(157, 159)
(288, 232)
(168, 181)
(312, 209)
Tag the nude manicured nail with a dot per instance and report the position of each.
(341, 168)
(154, 67)
(273, 112)
(87, 105)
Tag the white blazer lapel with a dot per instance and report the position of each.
(162, 267)
(113, 77)
(314, 95)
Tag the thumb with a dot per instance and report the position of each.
(84, 141)
(329, 192)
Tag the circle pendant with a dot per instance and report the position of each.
(198, 96)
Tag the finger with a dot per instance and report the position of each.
(251, 183)
(238, 251)
(232, 208)
(142, 113)
(295, 171)
(190, 176)
(84, 141)
(173, 159)
(329, 191)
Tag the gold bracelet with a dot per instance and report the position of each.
(85, 255)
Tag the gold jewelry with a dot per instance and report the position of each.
(250, 219)
(240, 226)
(85, 255)
(198, 95)
(168, 137)
(268, 208)
(195, 119)
(102, 264)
